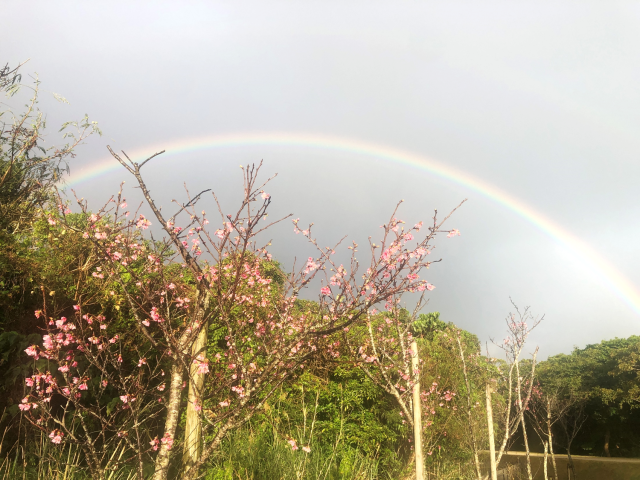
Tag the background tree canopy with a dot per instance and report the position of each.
(605, 377)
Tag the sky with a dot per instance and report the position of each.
(529, 110)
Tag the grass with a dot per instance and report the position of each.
(46, 461)
(263, 455)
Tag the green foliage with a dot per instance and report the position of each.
(605, 376)
(12, 345)
(427, 323)
(350, 405)
(448, 440)
(29, 174)
(341, 416)
(350, 426)
(28, 171)
(259, 452)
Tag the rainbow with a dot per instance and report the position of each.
(610, 276)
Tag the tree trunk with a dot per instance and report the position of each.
(546, 460)
(553, 460)
(570, 462)
(550, 439)
(417, 412)
(607, 438)
(474, 443)
(193, 427)
(526, 444)
(521, 414)
(171, 422)
(492, 444)
(476, 459)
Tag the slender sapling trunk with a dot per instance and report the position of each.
(492, 444)
(193, 427)
(474, 443)
(550, 439)
(417, 411)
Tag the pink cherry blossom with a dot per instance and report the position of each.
(56, 436)
(167, 440)
(143, 223)
(202, 364)
(311, 265)
(32, 351)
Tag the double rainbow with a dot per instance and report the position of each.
(614, 279)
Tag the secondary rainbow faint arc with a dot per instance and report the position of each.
(614, 279)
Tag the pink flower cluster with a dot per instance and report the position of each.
(56, 436)
(165, 440)
(143, 223)
(25, 405)
(202, 363)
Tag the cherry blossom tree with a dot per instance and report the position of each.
(472, 358)
(516, 385)
(199, 307)
(547, 408)
(388, 355)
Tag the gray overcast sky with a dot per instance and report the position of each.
(537, 98)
